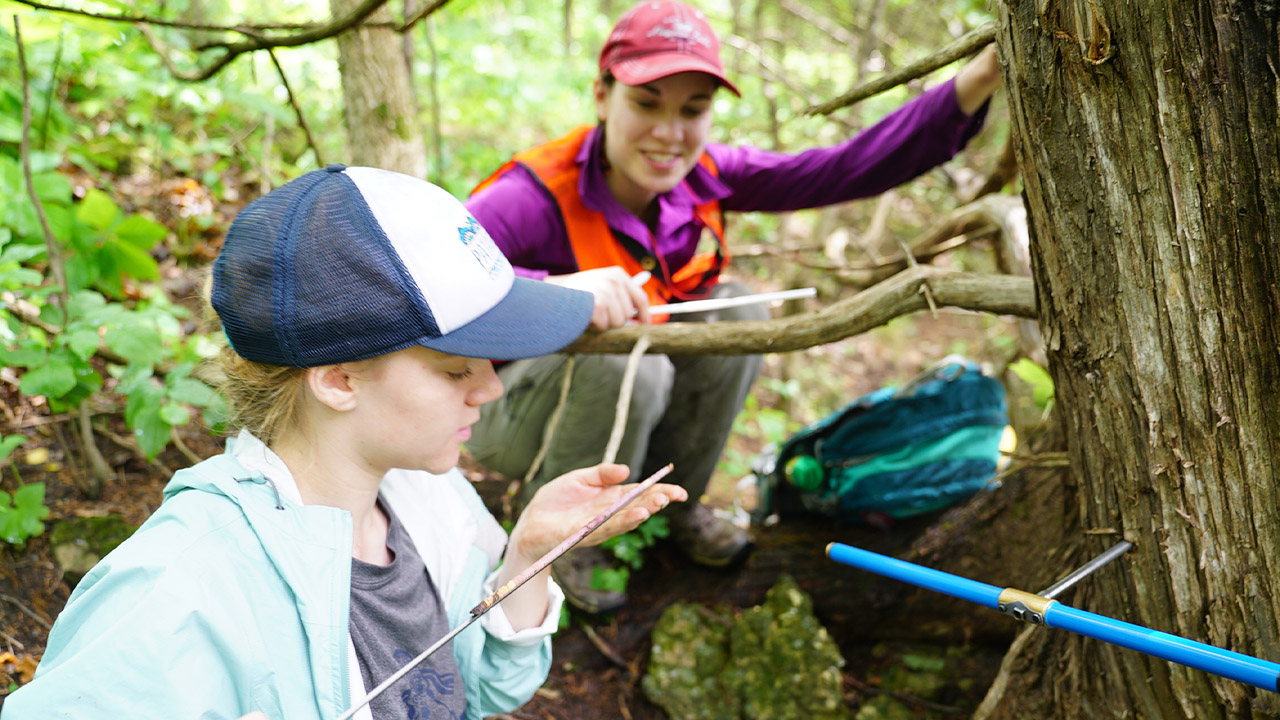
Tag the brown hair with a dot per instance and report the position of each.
(264, 399)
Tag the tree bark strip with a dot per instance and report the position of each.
(1149, 144)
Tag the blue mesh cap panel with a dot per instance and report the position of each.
(245, 272)
(352, 297)
(307, 277)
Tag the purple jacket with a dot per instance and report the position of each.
(525, 223)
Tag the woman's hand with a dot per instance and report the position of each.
(618, 298)
(565, 504)
(978, 80)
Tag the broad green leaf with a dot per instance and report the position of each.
(83, 343)
(85, 301)
(151, 431)
(52, 188)
(43, 162)
(175, 414)
(144, 398)
(10, 443)
(23, 519)
(1038, 378)
(82, 271)
(192, 392)
(27, 354)
(20, 252)
(134, 262)
(141, 232)
(55, 379)
(98, 210)
(137, 344)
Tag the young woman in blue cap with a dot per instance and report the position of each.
(639, 192)
(333, 541)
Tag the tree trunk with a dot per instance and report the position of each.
(382, 117)
(1150, 147)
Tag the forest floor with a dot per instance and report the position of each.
(599, 661)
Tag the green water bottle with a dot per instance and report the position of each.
(804, 472)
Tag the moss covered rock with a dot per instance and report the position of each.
(773, 661)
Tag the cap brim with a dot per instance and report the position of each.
(535, 318)
(641, 70)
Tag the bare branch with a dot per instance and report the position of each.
(144, 19)
(230, 51)
(972, 41)
(871, 308)
(297, 109)
(97, 463)
(834, 31)
(422, 14)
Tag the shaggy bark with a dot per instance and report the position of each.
(381, 114)
(1148, 138)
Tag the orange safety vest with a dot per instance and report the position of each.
(595, 245)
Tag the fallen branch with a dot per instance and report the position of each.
(903, 697)
(27, 611)
(966, 45)
(871, 308)
(609, 653)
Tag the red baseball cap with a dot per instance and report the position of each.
(656, 39)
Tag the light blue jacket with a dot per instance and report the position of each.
(233, 597)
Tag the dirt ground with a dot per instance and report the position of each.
(598, 662)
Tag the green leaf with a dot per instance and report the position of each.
(1038, 378)
(10, 443)
(137, 344)
(192, 392)
(82, 271)
(141, 232)
(22, 521)
(144, 397)
(28, 353)
(175, 414)
(98, 210)
(134, 262)
(83, 343)
(152, 432)
(610, 579)
(52, 188)
(55, 379)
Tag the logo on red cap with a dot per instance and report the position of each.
(678, 29)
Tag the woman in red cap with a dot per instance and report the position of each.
(641, 195)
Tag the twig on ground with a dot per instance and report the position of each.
(622, 705)
(27, 611)
(609, 653)
(182, 447)
(13, 641)
(131, 445)
(903, 697)
(966, 45)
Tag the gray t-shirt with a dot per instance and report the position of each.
(396, 613)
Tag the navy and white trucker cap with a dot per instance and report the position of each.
(349, 263)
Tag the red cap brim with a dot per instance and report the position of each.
(647, 68)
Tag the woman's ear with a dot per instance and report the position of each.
(332, 386)
(601, 92)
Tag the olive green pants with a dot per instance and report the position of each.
(681, 411)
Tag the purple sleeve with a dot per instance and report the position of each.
(918, 136)
(525, 224)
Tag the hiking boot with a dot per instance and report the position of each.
(705, 538)
(573, 571)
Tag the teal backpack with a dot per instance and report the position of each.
(893, 453)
